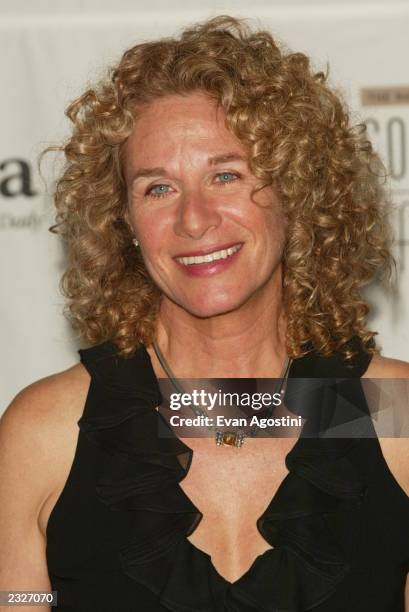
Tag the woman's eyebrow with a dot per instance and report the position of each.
(146, 172)
(226, 157)
(212, 161)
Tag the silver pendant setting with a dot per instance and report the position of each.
(230, 438)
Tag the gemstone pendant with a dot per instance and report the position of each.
(230, 438)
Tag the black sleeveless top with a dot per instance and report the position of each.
(117, 536)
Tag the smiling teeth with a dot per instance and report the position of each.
(198, 259)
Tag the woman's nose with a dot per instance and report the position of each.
(197, 213)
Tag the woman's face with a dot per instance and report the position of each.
(189, 195)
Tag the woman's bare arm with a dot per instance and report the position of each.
(35, 455)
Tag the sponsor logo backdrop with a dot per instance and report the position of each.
(49, 53)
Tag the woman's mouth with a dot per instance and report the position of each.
(210, 263)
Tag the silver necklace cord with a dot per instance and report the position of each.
(226, 438)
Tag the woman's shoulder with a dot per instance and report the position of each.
(47, 399)
(45, 402)
(386, 367)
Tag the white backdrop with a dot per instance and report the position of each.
(50, 50)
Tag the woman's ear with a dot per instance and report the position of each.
(131, 229)
(126, 219)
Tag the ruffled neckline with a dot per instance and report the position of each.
(320, 496)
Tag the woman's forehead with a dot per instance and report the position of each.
(182, 126)
(193, 114)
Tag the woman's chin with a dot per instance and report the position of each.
(206, 307)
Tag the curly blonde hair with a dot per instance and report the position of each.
(298, 135)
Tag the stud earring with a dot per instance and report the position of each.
(136, 243)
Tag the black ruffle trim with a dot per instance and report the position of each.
(312, 523)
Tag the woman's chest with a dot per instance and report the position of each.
(232, 488)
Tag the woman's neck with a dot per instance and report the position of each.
(244, 343)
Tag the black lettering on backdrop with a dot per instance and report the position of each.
(403, 241)
(16, 179)
(394, 130)
(396, 147)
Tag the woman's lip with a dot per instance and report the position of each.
(211, 249)
(211, 267)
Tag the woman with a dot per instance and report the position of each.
(221, 217)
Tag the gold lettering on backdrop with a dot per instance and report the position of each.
(381, 96)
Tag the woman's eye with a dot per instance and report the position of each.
(226, 177)
(158, 191)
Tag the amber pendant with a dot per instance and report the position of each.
(230, 438)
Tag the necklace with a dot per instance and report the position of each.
(226, 438)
